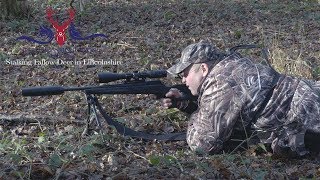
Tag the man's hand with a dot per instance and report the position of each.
(173, 93)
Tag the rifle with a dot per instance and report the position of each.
(132, 83)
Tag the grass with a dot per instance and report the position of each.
(286, 62)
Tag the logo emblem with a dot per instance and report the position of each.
(60, 30)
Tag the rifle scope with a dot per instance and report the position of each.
(108, 77)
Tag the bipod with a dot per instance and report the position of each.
(92, 114)
(94, 105)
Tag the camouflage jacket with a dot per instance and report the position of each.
(232, 96)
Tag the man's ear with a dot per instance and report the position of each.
(205, 69)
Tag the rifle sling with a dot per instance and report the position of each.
(125, 131)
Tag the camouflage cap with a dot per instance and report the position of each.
(199, 52)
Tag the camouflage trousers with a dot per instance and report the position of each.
(303, 116)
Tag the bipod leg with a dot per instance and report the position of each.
(94, 100)
(89, 119)
(92, 114)
(94, 110)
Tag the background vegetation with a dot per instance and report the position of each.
(41, 136)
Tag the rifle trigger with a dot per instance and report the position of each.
(174, 103)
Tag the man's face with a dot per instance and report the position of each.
(192, 77)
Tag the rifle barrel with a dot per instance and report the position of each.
(49, 90)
